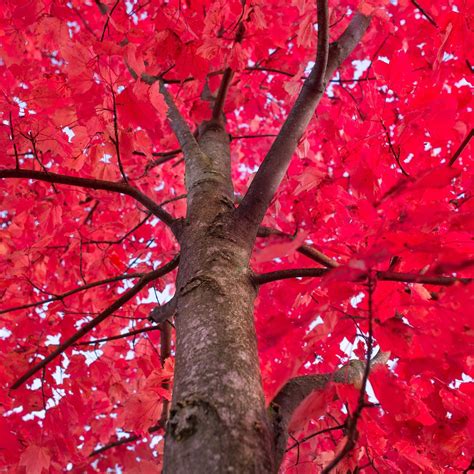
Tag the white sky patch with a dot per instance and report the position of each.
(70, 133)
(155, 440)
(356, 300)
(463, 83)
(21, 105)
(34, 414)
(392, 364)
(13, 411)
(160, 186)
(155, 296)
(52, 340)
(464, 379)
(36, 384)
(60, 371)
(5, 333)
(309, 67)
(317, 322)
(348, 348)
(360, 67)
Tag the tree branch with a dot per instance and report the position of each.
(96, 184)
(186, 139)
(128, 295)
(160, 314)
(127, 276)
(277, 160)
(165, 352)
(104, 10)
(296, 390)
(263, 278)
(221, 95)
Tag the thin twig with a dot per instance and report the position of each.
(108, 17)
(395, 154)
(121, 239)
(222, 93)
(313, 435)
(240, 137)
(425, 13)
(91, 212)
(115, 141)
(84, 22)
(461, 147)
(226, 79)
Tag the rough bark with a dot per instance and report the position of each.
(218, 421)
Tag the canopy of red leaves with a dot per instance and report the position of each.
(376, 183)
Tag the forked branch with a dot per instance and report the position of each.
(277, 160)
(127, 296)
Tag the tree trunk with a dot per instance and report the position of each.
(218, 421)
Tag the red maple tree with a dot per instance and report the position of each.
(236, 236)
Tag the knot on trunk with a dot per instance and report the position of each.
(205, 281)
(186, 417)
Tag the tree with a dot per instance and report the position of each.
(262, 209)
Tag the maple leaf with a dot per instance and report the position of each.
(35, 459)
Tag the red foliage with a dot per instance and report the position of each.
(373, 179)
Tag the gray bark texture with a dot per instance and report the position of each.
(218, 421)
